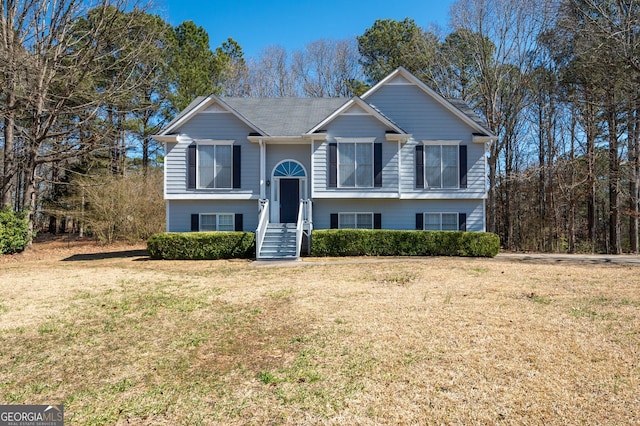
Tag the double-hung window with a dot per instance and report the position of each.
(441, 222)
(213, 164)
(217, 222)
(441, 165)
(215, 161)
(355, 220)
(355, 163)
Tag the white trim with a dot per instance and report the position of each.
(203, 195)
(355, 140)
(441, 142)
(344, 108)
(214, 141)
(354, 195)
(459, 194)
(166, 138)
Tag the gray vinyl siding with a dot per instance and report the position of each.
(399, 214)
(217, 126)
(426, 119)
(356, 126)
(180, 211)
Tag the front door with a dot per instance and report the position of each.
(289, 200)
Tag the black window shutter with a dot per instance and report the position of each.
(195, 222)
(377, 221)
(236, 166)
(238, 222)
(462, 221)
(333, 165)
(191, 166)
(377, 165)
(420, 166)
(462, 152)
(334, 221)
(420, 221)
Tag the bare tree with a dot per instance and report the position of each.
(62, 62)
(325, 67)
(512, 27)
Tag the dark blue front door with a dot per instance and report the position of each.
(289, 200)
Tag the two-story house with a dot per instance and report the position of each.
(398, 157)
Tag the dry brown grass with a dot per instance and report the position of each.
(431, 341)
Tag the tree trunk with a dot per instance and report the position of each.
(615, 245)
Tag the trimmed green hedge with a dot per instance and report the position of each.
(362, 242)
(201, 245)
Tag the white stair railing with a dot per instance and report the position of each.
(263, 222)
(304, 225)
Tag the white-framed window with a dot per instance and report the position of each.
(441, 222)
(355, 220)
(215, 164)
(217, 222)
(441, 164)
(355, 162)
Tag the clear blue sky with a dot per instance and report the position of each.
(256, 24)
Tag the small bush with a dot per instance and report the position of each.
(14, 232)
(201, 245)
(361, 242)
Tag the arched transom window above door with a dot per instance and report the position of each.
(289, 169)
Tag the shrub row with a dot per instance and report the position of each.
(202, 245)
(14, 232)
(362, 242)
(343, 242)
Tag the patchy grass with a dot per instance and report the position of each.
(439, 341)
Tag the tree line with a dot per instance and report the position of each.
(84, 84)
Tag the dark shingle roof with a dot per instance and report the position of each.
(285, 116)
(466, 110)
(296, 116)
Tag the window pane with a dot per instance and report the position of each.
(364, 221)
(205, 166)
(449, 166)
(347, 220)
(432, 166)
(223, 166)
(347, 164)
(208, 222)
(364, 161)
(347, 175)
(225, 222)
(449, 222)
(432, 221)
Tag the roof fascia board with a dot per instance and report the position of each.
(415, 80)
